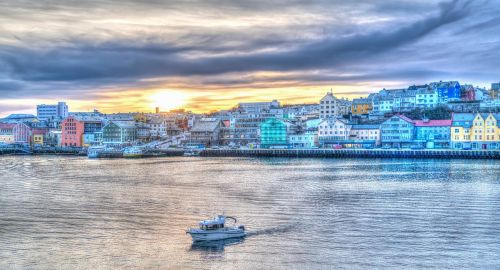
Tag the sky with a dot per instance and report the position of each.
(204, 55)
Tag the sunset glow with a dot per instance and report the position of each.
(168, 100)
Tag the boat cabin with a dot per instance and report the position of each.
(213, 224)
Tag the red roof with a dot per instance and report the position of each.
(432, 123)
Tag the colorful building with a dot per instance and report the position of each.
(426, 98)
(273, 133)
(71, 132)
(467, 93)
(52, 112)
(94, 138)
(334, 131)
(303, 140)
(53, 138)
(432, 133)
(404, 100)
(447, 91)
(475, 131)
(206, 131)
(119, 132)
(365, 135)
(397, 132)
(143, 131)
(330, 106)
(22, 133)
(361, 106)
(7, 133)
(80, 130)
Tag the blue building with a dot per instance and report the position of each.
(433, 133)
(447, 91)
(273, 133)
(397, 132)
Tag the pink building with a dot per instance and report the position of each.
(72, 132)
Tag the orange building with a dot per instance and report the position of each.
(71, 132)
(361, 106)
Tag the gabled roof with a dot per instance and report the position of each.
(405, 118)
(205, 125)
(344, 121)
(361, 101)
(416, 87)
(20, 116)
(444, 84)
(463, 117)
(123, 124)
(426, 90)
(88, 118)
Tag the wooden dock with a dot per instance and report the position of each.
(354, 153)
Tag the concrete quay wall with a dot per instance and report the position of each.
(353, 153)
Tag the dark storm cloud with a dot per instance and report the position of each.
(80, 46)
(85, 62)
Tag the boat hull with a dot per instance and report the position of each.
(132, 155)
(216, 235)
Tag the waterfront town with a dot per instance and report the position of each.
(437, 115)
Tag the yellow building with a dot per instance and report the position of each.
(361, 106)
(475, 131)
(38, 139)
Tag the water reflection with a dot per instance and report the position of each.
(216, 246)
(75, 213)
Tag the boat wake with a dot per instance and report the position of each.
(271, 231)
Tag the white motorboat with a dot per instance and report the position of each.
(94, 151)
(133, 152)
(215, 229)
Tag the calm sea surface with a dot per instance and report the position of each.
(76, 213)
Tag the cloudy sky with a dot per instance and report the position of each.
(209, 54)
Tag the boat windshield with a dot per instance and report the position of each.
(211, 227)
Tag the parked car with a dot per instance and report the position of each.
(386, 147)
(416, 147)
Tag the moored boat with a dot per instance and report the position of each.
(216, 229)
(133, 152)
(94, 151)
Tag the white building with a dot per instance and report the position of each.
(334, 130)
(158, 127)
(330, 106)
(51, 112)
(426, 98)
(366, 133)
(382, 104)
(404, 100)
(305, 140)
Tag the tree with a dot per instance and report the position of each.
(437, 113)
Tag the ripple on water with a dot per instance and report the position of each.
(300, 213)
